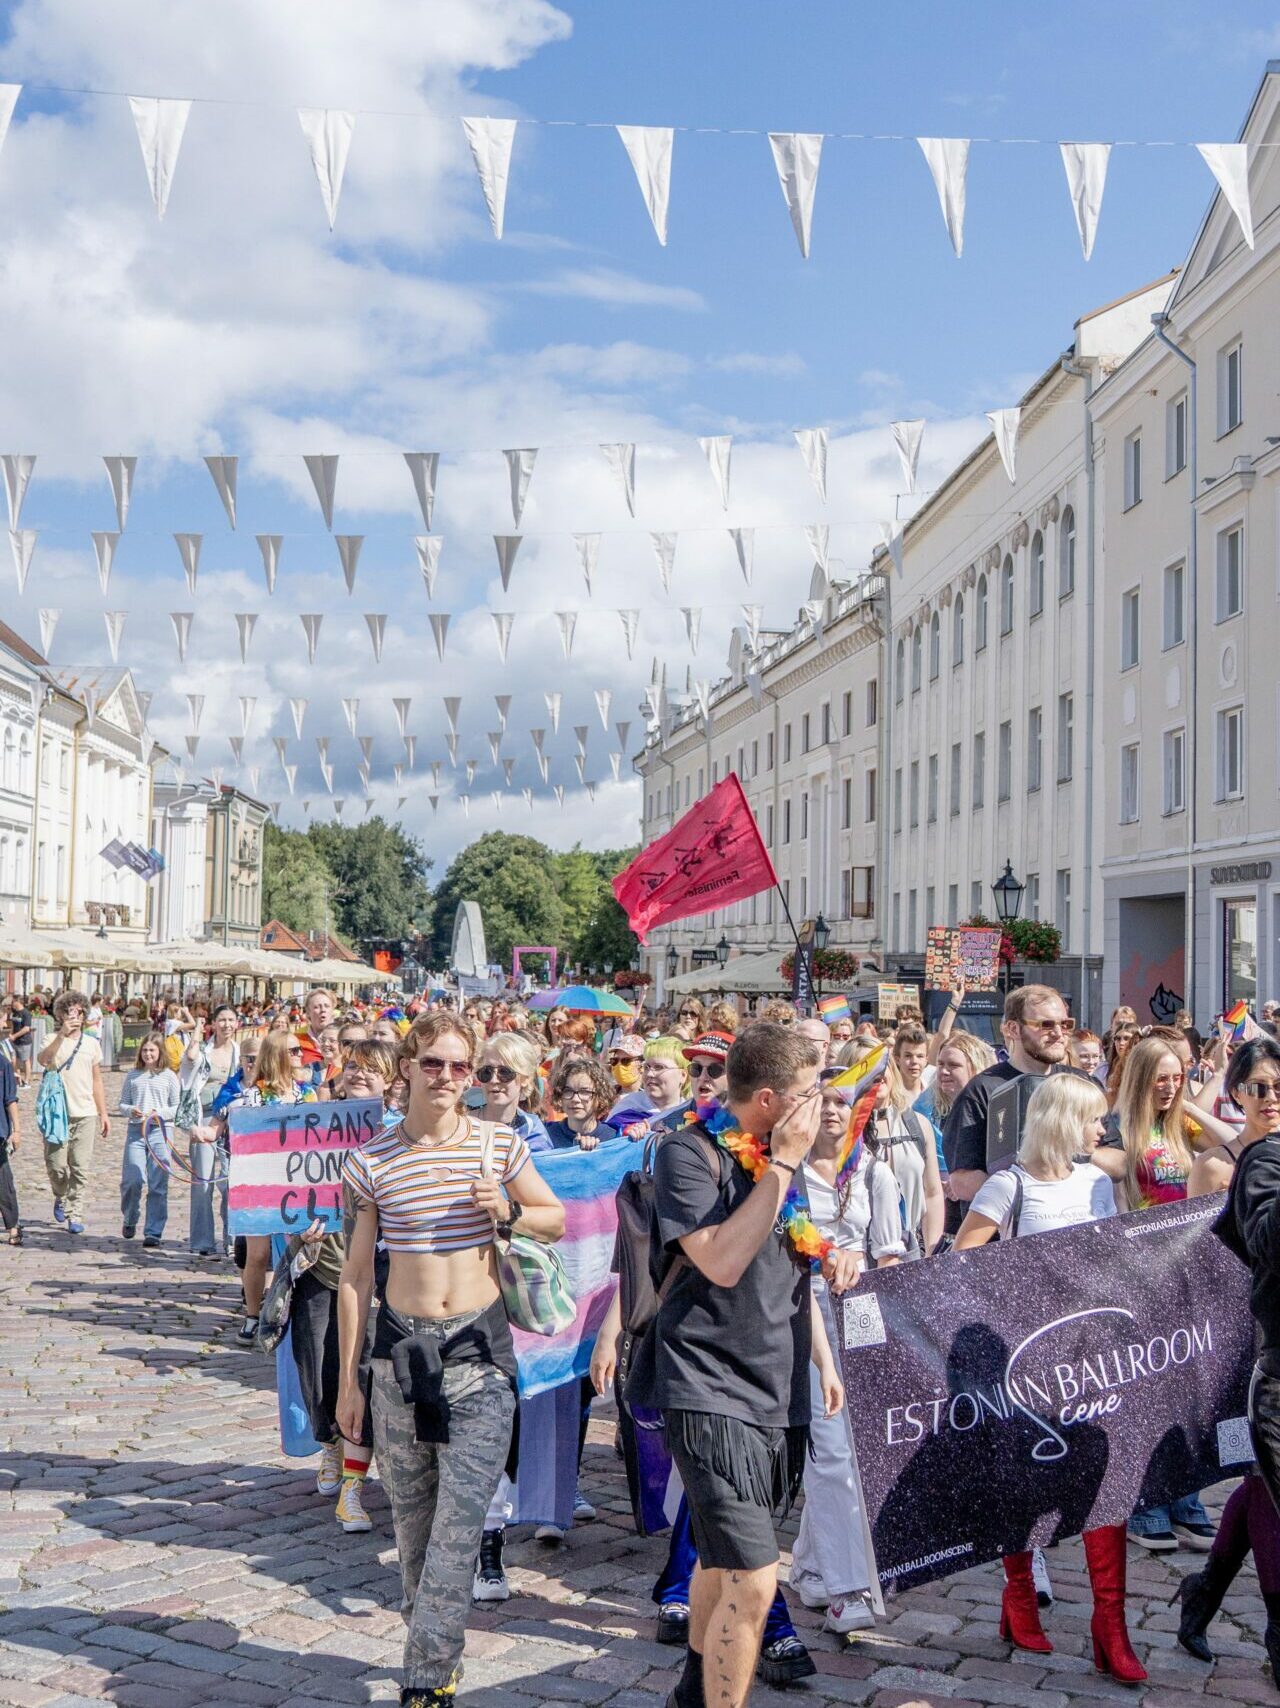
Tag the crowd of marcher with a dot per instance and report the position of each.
(763, 1215)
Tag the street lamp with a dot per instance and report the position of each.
(673, 960)
(821, 937)
(1008, 893)
(722, 950)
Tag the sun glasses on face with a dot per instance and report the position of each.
(1259, 1089)
(1067, 1026)
(437, 1065)
(709, 1070)
(503, 1075)
(295, 1050)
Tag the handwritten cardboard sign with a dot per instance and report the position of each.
(286, 1162)
(968, 952)
(891, 997)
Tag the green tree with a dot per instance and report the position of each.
(380, 878)
(512, 878)
(597, 934)
(297, 884)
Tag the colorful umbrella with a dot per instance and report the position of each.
(581, 999)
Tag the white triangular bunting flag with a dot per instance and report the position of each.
(328, 132)
(290, 776)
(622, 460)
(9, 93)
(891, 535)
(796, 155)
(520, 472)
(528, 798)
(948, 158)
(553, 710)
(48, 624)
(349, 555)
(281, 745)
(665, 547)
(351, 711)
(568, 621)
(580, 734)
(1085, 164)
(193, 747)
(624, 731)
(160, 124)
(255, 778)
(471, 766)
(439, 621)
(424, 466)
(451, 742)
(247, 704)
(223, 472)
(490, 142)
(434, 800)
(311, 622)
(322, 748)
(365, 743)
(630, 621)
(588, 552)
(246, 622)
(114, 621)
(580, 760)
(428, 560)
(508, 771)
(649, 149)
(544, 768)
(397, 771)
(604, 700)
(401, 709)
(182, 621)
(324, 477)
(1005, 424)
(144, 697)
(908, 436)
(817, 538)
(22, 543)
(494, 738)
(195, 706)
(615, 761)
(753, 614)
(1229, 163)
(376, 623)
(559, 794)
(120, 472)
(537, 737)
(503, 703)
(189, 551)
(718, 452)
(692, 615)
(814, 611)
(452, 706)
(410, 750)
(299, 710)
(269, 546)
(813, 448)
(502, 621)
(236, 744)
(216, 773)
(744, 543)
(104, 548)
(507, 546)
(702, 691)
(17, 474)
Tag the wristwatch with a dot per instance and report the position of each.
(513, 1215)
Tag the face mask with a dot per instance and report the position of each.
(626, 1074)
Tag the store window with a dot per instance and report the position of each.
(1239, 951)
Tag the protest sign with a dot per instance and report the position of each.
(891, 997)
(286, 1162)
(955, 952)
(1049, 1385)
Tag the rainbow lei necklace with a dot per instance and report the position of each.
(750, 1151)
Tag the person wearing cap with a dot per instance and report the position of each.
(664, 1086)
(706, 1057)
(622, 1057)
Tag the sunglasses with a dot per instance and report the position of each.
(437, 1065)
(712, 1070)
(1259, 1089)
(1169, 1081)
(1067, 1026)
(689, 1014)
(503, 1075)
(295, 1049)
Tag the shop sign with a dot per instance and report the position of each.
(1251, 872)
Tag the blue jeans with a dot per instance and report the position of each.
(677, 1575)
(208, 1165)
(139, 1166)
(1148, 1520)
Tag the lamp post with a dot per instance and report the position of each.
(673, 960)
(821, 937)
(1008, 893)
(722, 950)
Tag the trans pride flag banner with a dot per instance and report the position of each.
(586, 1183)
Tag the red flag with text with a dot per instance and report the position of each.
(713, 856)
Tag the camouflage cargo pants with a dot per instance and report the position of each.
(439, 1496)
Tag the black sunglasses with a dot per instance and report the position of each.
(503, 1075)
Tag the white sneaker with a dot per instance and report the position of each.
(329, 1470)
(809, 1587)
(848, 1613)
(548, 1533)
(350, 1511)
(489, 1582)
(583, 1511)
(1040, 1577)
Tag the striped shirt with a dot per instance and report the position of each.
(423, 1193)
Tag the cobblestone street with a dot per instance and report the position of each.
(157, 1550)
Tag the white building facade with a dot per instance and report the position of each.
(21, 691)
(179, 833)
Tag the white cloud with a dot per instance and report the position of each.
(616, 290)
(784, 365)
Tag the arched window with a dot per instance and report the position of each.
(25, 780)
(900, 673)
(917, 659)
(957, 630)
(935, 646)
(980, 616)
(9, 770)
(1006, 595)
(1067, 554)
(1037, 573)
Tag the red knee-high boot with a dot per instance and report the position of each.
(1105, 1553)
(1019, 1612)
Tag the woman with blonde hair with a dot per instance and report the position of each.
(722, 1017)
(691, 1020)
(961, 1056)
(508, 1078)
(1046, 1189)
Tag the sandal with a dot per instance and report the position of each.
(15, 1236)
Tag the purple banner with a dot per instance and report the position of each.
(1040, 1387)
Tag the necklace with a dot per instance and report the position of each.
(750, 1152)
(463, 1129)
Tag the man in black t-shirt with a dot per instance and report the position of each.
(21, 1036)
(731, 1347)
(1035, 1027)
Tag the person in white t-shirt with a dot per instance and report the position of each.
(78, 1058)
(1049, 1188)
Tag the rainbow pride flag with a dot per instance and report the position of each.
(1236, 1016)
(833, 1008)
(858, 1083)
(586, 1183)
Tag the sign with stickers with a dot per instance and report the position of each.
(968, 952)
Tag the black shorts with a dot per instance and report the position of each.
(738, 1481)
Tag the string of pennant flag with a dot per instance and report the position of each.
(161, 124)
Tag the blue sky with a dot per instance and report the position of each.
(240, 325)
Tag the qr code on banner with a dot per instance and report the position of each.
(863, 1324)
(1234, 1445)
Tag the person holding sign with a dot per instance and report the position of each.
(1047, 1188)
(443, 1388)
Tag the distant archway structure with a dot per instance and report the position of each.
(469, 955)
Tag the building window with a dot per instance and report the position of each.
(1129, 784)
(1175, 435)
(913, 793)
(768, 827)
(980, 615)
(1230, 778)
(935, 647)
(755, 758)
(1062, 906)
(979, 768)
(786, 744)
(1175, 629)
(1066, 736)
(846, 803)
(900, 673)
(1230, 388)
(897, 798)
(1033, 895)
(911, 919)
(932, 789)
(873, 703)
(1174, 765)
(1067, 553)
(954, 792)
(786, 822)
(1006, 595)
(1036, 587)
(953, 904)
(957, 631)
(804, 816)
(975, 897)
(828, 732)
(1130, 617)
(1132, 470)
(917, 659)
(846, 712)
(1230, 601)
(768, 757)
(804, 895)
(870, 795)
(1035, 729)
(804, 734)
(930, 905)
(1004, 763)
(897, 919)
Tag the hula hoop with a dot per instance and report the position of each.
(183, 1170)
